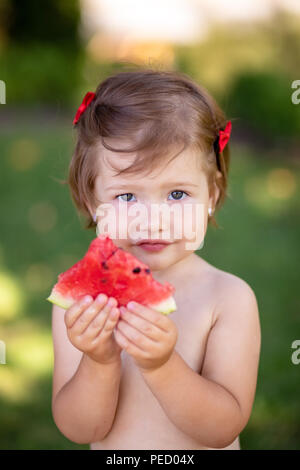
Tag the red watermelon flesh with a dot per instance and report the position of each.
(109, 269)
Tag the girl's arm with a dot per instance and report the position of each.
(85, 392)
(215, 406)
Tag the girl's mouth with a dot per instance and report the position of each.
(153, 246)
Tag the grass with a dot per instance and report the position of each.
(41, 236)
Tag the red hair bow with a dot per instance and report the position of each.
(224, 136)
(85, 102)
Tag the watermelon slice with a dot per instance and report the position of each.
(107, 268)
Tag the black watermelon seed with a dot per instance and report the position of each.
(147, 270)
(103, 280)
(136, 270)
(104, 265)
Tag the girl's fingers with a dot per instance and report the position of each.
(76, 310)
(88, 315)
(135, 336)
(107, 328)
(111, 320)
(125, 343)
(144, 326)
(103, 323)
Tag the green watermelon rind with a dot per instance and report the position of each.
(165, 307)
(60, 300)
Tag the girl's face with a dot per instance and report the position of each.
(181, 183)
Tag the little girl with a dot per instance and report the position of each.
(133, 378)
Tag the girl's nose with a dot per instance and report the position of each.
(150, 216)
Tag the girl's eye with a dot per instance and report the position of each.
(178, 194)
(126, 194)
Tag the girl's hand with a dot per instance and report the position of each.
(147, 335)
(90, 327)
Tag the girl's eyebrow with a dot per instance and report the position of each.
(174, 184)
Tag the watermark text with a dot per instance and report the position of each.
(175, 222)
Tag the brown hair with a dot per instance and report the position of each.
(158, 111)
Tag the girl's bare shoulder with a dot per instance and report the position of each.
(230, 291)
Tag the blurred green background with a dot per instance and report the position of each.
(48, 60)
